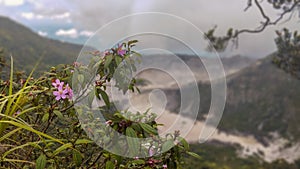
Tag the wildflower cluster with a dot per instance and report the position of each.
(62, 91)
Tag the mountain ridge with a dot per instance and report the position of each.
(27, 47)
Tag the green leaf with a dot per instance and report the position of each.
(119, 159)
(29, 128)
(45, 117)
(77, 158)
(11, 76)
(136, 127)
(139, 162)
(9, 134)
(97, 93)
(149, 129)
(83, 141)
(58, 114)
(138, 90)
(184, 143)
(104, 97)
(109, 165)
(132, 42)
(62, 148)
(133, 141)
(80, 78)
(91, 97)
(167, 145)
(108, 60)
(41, 162)
(118, 60)
(194, 155)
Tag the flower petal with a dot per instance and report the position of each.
(58, 98)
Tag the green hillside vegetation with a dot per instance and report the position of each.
(216, 155)
(263, 99)
(28, 48)
(260, 99)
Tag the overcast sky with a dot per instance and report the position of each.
(76, 20)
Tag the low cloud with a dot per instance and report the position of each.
(65, 15)
(41, 33)
(71, 33)
(12, 2)
(31, 16)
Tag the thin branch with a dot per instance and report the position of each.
(296, 3)
(289, 18)
(267, 21)
(264, 25)
(248, 5)
(261, 10)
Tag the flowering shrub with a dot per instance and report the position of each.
(39, 126)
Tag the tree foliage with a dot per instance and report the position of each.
(288, 55)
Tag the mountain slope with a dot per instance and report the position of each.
(28, 48)
(263, 99)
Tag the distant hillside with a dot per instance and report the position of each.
(28, 47)
(261, 99)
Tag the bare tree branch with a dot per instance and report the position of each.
(248, 5)
(286, 12)
(220, 42)
(267, 21)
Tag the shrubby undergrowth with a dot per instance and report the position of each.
(39, 125)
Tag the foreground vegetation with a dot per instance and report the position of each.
(39, 126)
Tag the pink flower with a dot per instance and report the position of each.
(165, 166)
(76, 64)
(151, 162)
(17, 113)
(57, 83)
(70, 91)
(106, 53)
(121, 51)
(60, 94)
(151, 152)
(108, 123)
(136, 158)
